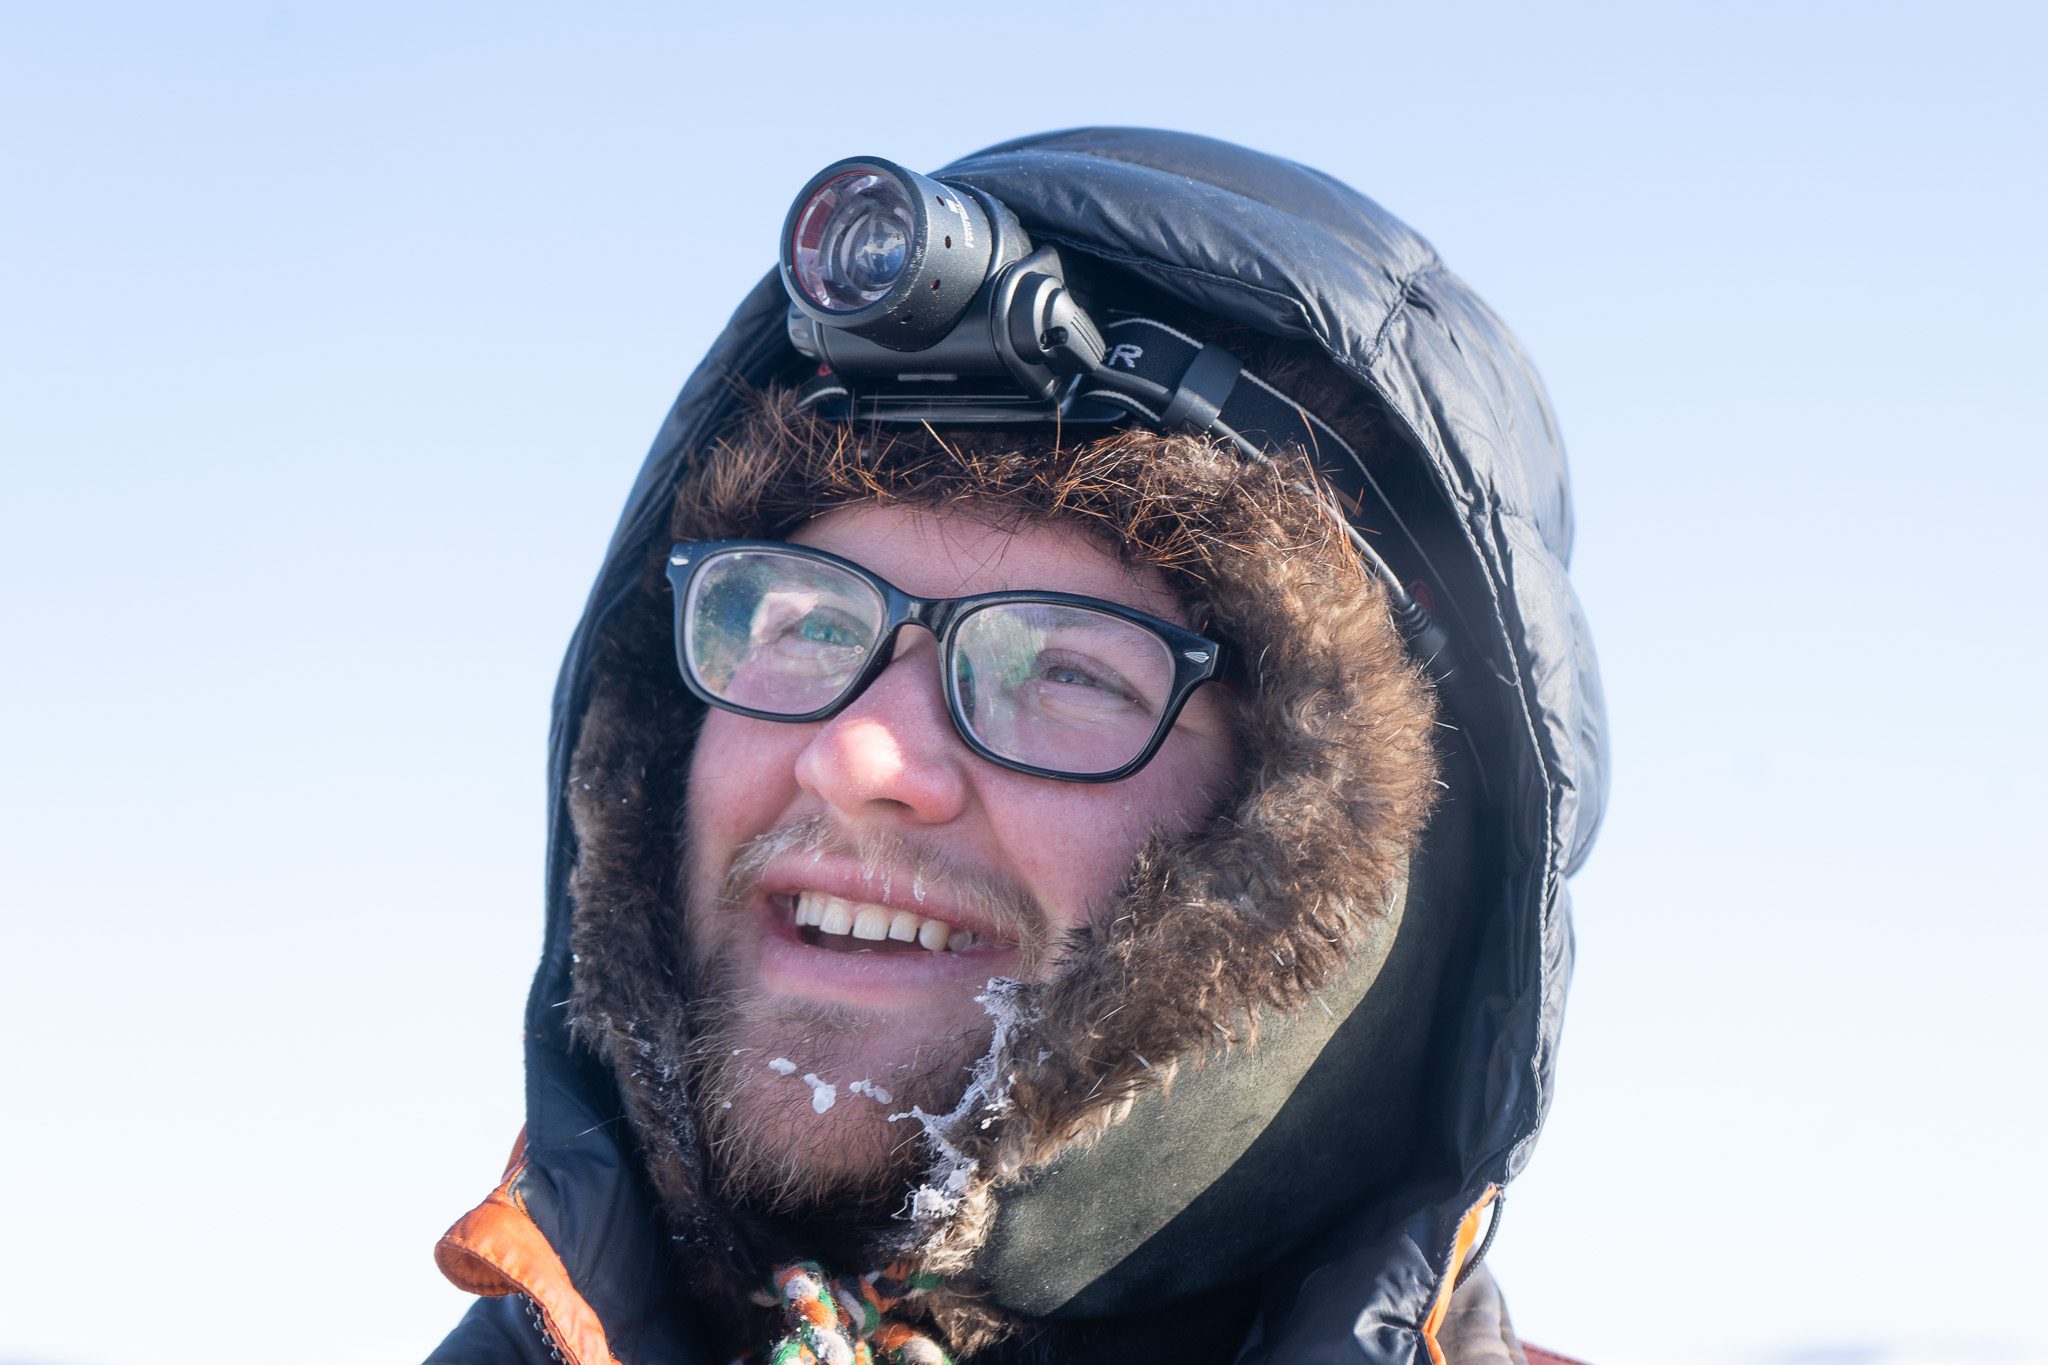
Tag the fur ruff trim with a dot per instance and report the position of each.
(1257, 910)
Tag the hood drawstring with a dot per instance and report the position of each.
(845, 1321)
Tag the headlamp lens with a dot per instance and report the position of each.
(851, 240)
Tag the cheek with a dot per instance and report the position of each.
(742, 779)
(1082, 840)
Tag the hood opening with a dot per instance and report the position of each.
(1221, 941)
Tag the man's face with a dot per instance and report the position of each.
(881, 816)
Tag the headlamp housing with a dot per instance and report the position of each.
(880, 252)
(928, 296)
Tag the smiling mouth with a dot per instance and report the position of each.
(839, 925)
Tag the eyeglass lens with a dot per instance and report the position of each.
(1050, 685)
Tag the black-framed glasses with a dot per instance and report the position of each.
(1048, 683)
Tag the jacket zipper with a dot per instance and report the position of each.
(540, 1325)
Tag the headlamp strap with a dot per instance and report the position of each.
(1203, 390)
(1163, 377)
(1211, 391)
(1208, 391)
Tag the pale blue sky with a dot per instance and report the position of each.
(330, 339)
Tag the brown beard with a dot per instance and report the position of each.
(860, 1165)
(769, 1152)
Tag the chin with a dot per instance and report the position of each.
(796, 1103)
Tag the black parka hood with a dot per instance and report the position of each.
(1477, 476)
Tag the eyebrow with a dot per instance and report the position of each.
(1099, 624)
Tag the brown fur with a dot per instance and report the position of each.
(1257, 909)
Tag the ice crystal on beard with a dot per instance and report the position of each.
(987, 1095)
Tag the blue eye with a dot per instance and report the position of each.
(1068, 673)
(1066, 669)
(821, 629)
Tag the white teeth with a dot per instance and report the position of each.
(838, 917)
(878, 923)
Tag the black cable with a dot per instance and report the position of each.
(1151, 399)
(1500, 1197)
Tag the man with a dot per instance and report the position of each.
(1083, 891)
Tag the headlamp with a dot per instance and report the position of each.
(905, 285)
(925, 302)
(887, 254)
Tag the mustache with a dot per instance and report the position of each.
(883, 857)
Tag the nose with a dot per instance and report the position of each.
(893, 752)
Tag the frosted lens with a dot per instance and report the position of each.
(1060, 687)
(778, 632)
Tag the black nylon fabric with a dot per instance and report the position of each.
(1268, 244)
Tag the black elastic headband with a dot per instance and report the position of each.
(1169, 381)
